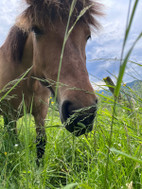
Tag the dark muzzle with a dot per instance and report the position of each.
(79, 121)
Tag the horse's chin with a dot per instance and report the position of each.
(78, 128)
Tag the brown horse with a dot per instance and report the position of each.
(36, 40)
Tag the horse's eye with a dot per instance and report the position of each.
(36, 30)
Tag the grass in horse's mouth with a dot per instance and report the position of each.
(81, 120)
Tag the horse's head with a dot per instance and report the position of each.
(47, 21)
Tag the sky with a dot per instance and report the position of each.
(104, 48)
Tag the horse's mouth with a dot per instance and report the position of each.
(81, 121)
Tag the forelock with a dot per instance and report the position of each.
(39, 12)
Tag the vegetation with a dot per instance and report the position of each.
(82, 160)
(108, 157)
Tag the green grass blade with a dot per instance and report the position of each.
(78, 18)
(62, 53)
(67, 33)
(124, 63)
(125, 155)
(19, 80)
(123, 67)
(130, 22)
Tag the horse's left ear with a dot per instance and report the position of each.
(31, 2)
(35, 2)
(23, 22)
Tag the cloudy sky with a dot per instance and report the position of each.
(105, 44)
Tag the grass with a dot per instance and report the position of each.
(70, 160)
(108, 157)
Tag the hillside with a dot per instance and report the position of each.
(135, 86)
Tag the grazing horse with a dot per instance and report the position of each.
(35, 41)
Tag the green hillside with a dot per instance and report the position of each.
(131, 88)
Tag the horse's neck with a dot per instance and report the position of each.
(17, 48)
(12, 62)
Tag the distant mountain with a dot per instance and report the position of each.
(135, 86)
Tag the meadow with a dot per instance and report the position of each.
(110, 157)
(71, 162)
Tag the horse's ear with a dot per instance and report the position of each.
(34, 2)
(23, 22)
(30, 2)
(39, 2)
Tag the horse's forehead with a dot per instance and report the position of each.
(59, 27)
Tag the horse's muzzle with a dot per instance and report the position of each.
(78, 121)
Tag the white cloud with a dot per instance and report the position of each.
(8, 12)
(108, 43)
(98, 85)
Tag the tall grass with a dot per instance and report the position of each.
(79, 161)
(120, 77)
(109, 157)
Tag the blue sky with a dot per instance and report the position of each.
(105, 44)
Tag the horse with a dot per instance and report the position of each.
(35, 43)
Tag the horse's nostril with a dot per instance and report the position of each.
(80, 120)
(96, 100)
(66, 110)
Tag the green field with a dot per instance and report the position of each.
(88, 162)
(110, 157)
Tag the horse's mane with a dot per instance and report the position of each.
(42, 11)
(14, 44)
